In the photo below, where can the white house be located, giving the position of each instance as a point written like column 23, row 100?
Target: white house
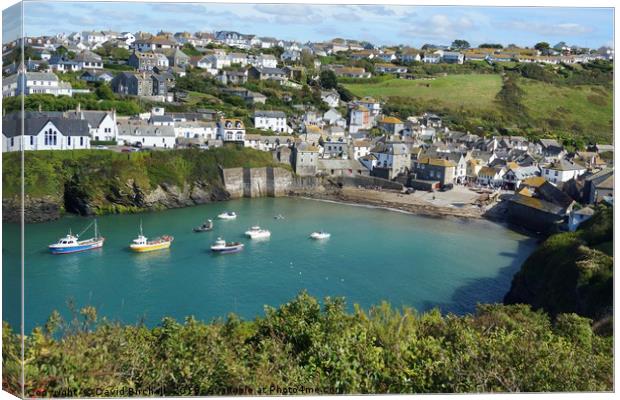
column 101, row 124
column 562, row 171
column 271, row 120
column 138, row 131
column 290, row 55
column 42, row 132
column 231, row 130
column 89, row 60
column 238, row 58
column 491, row 176
column 214, row 62
column 330, row 97
column 333, row 117
column 92, row 37
column 267, row 61
column 361, row 148
column 205, row 130
column 35, row 82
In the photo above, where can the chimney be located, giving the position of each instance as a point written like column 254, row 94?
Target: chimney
column 79, row 107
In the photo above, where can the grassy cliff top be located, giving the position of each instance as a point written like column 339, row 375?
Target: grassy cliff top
column 46, row 172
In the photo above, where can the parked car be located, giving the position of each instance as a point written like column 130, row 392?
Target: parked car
column 446, row 187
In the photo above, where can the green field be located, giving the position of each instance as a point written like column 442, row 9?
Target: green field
column 576, row 110
column 586, row 107
column 452, row 91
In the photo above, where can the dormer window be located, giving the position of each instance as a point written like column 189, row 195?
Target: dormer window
column 238, row 124
column 228, row 124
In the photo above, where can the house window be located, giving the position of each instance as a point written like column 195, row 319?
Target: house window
column 31, row 140
column 81, row 140
column 69, row 140
column 50, row 137
column 13, row 141
column 556, row 173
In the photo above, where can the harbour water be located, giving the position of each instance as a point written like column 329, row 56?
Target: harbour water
column 372, row 255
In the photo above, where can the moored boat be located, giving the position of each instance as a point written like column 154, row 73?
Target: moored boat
column 227, row 215
column 320, row 235
column 72, row 244
column 279, row 216
column 141, row 244
column 205, row 227
column 222, row 247
column 256, row 232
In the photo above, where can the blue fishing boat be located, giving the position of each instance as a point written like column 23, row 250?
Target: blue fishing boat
column 72, row 244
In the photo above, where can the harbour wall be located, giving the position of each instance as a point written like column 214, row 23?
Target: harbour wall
column 265, row 182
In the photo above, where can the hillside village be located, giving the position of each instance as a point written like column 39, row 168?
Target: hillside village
column 210, row 90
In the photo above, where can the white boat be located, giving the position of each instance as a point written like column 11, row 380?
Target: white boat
column 256, row 232
column 220, row 246
column 320, row 235
column 71, row 243
column 227, row 215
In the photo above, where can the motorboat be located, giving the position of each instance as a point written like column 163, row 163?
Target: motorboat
column 205, row 227
column 320, row 235
column 141, row 244
column 72, row 244
column 222, row 247
column 256, row 232
column 227, row 215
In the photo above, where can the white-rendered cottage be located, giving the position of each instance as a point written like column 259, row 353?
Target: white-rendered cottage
column 42, row 132
column 231, row 130
column 271, row 120
column 562, row 171
column 35, row 82
column 138, row 131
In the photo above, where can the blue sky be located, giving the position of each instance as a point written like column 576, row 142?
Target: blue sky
column 411, row 25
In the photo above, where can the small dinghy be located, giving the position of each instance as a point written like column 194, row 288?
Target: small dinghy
column 320, row 235
column 220, row 246
column 227, row 215
column 256, row 232
column 205, row 227
column 279, row 216
column 71, row 243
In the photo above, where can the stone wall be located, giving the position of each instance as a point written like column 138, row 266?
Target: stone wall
column 366, row 181
column 265, row 182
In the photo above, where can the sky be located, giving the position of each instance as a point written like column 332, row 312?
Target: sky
column 378, row 24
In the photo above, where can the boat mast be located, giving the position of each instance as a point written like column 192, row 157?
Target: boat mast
column 141, row 227
column 96, row 235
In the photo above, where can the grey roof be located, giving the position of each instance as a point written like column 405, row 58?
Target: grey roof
column 142, row 129
column 93, row 118
column 526, row 172
column 550, row 143
column 89, row 56
column 35, row 76
column 335, row 163
column 32, row 126
column 162, row 118
column 269, row 114
column 564, row 165
column 266, row 70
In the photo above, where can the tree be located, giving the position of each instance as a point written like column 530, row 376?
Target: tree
column 104, row 92
column 542, row 46
column 460, row 44
column 328, row 79
column 490, row 46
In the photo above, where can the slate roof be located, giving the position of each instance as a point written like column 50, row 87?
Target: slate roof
column 537, row 204
column 269, row 114
column 11, row 127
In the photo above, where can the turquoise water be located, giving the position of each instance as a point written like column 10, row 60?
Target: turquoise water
column 372, row 255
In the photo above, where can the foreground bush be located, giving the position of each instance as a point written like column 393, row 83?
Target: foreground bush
column 305, row 348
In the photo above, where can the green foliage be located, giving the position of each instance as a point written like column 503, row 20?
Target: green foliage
column 48, row 102
column 118, row 67
column 101, row 176
column 328, row 79
column 460, row 44
column 104, row 92
column 190, row 50
column 566, row 274
column 320, row 347
column 542, row 46
column 490, row 46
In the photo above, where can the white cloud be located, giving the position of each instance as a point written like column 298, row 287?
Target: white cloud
column 441, row 27
column 560, row 29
